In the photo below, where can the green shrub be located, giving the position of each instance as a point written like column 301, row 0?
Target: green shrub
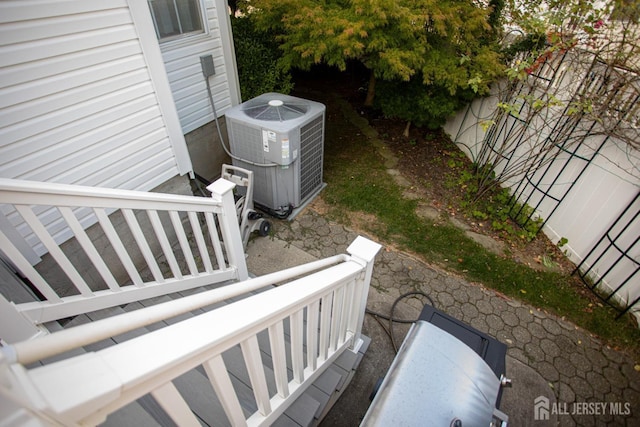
column 505, row 214
column 257, row 57
column 420, row 104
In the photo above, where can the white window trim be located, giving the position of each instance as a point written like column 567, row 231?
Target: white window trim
column 186, row 38
column 226, row 35
column 182, row 41
column 155, row 65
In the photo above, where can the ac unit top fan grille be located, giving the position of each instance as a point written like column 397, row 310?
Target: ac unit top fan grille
column 274, row 110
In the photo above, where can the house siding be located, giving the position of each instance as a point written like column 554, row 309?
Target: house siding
column 182, row 61
column 76, row 97
column 80, row 102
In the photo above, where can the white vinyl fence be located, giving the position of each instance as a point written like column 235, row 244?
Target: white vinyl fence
column 586, row 189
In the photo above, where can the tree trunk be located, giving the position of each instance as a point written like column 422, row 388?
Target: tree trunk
column 233, row 5
column 406, row 129
column 371, row 90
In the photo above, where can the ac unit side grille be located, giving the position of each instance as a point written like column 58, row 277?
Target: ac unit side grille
column 311, row 149
column 248, row 142
column 263, row 190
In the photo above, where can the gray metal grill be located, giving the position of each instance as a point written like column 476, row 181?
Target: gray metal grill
column 436, row 380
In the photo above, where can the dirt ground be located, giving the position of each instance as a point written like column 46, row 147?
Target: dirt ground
column 425, row 159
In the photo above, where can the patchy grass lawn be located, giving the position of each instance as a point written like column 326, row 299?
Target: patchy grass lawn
column 359, row 186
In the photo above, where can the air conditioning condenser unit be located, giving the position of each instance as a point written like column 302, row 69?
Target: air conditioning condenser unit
column 281, row 139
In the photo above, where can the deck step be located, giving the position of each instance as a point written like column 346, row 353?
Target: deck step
column 343, row 386
column 12, row 287
column 319, row 395
column 330, row 379
column 303, row 410
column 131, row 415
column 285, row 422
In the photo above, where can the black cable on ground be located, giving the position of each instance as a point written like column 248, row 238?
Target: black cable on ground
column 199, row 180
column 282, row 213
column 389, row 331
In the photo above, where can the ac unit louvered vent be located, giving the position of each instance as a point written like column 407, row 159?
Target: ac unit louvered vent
column 311, row 154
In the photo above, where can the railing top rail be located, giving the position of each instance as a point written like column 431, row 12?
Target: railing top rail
column 30, row 351
column 14, row 191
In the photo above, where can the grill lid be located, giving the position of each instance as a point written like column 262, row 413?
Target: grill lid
column 274, row 110
column 438, row 378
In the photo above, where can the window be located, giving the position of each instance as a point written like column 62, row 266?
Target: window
column 174, row 18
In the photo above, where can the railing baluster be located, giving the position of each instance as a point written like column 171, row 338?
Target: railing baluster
column 297, row 356
column 356, row 316
column 89, row 248
column 325, row 325
column 138, row 235
column 164, row 243
column 202, row 246
column 221, row 383
column 184, row 242
column 335, row 318
column 255, row 368
column 279, row 358
column 174, row 405
column 118, row 247
column 347, row 306
column 312, row 334
column 215, row 241
column 41, row 232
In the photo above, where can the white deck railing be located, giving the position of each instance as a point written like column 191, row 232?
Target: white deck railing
column 322, row 314
column 208, row 254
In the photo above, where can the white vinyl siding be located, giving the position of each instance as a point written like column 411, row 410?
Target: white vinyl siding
column 80, row 98
column 182, row 62
column 74, row 88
